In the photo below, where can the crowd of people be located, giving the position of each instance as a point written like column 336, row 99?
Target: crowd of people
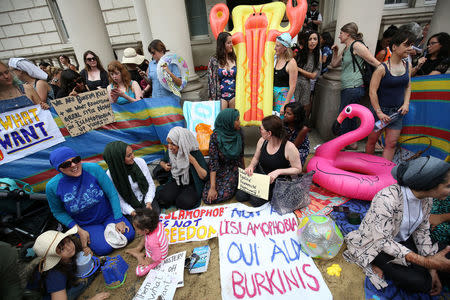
column 86, row 199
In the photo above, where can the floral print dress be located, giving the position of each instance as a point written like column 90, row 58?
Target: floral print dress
column 227, row 173
column 303, row 149
column 227, row 83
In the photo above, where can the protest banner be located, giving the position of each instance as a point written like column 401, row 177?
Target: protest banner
column 261, row 257
column 192, row 225
column 157, row 286
column 174, row 265
column 143, row 125
column 84, row 112
column 256, row 185
column 26, row 131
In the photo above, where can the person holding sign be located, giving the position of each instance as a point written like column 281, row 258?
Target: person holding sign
column 82, row 195
column 274, row 156
column 226, row 155
column 131, row 178
column 14, row 95
column 393, row 241
column 188, row 168
column 122, row 89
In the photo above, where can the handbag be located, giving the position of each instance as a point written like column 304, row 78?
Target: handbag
column 404, row 155
column 291, row 194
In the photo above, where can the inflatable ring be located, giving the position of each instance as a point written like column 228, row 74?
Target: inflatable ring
column 351, row 174
column 172, row 58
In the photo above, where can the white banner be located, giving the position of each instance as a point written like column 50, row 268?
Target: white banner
column 25, row 131
column 199, row 224
column 261, row 257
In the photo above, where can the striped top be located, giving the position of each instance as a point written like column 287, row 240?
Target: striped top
column 157, row 245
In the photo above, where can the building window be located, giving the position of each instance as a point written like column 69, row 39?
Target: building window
column 198, row 24
column 59, row 22
column 429, row 2
column 396, row 3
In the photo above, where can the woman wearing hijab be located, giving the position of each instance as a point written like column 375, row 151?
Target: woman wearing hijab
column 14, row 94
column 226, row 155
column 188, row 171
column 31, row 74
column 393, row 241
column 131, row 178
column 82, row 195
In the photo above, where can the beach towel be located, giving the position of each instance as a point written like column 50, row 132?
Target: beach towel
column 200, row 112
column 322, row 202
column 428, row 115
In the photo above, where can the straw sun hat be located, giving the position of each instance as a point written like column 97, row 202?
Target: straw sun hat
column 45, row 247
column 131, row 57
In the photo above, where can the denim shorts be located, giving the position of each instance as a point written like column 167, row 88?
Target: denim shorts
column 395, row 125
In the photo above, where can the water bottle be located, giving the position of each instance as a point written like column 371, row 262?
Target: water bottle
column 380, row 124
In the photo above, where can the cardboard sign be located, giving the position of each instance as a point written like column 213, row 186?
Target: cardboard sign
column 84, row 112
column 174, row 265
column 261, row 257
column 25, row 131
column 256, row 185
column 157, row 286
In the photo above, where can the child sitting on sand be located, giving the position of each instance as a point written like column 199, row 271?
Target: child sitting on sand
column 146, row 222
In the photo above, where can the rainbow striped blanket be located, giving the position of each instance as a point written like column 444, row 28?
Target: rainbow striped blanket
column 428, row 115
column 143, row 124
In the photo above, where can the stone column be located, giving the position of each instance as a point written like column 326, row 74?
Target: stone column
column 168, row 21
column 87, row 29
column 143, row 23
column 366, row 14
column 440, row 22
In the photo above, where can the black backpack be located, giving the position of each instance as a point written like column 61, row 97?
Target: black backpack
column 366, row 69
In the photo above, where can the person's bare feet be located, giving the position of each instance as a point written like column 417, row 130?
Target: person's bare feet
column 134, row 252
column 377, row 271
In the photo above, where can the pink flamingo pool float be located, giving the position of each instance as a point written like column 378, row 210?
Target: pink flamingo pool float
column 351, row 174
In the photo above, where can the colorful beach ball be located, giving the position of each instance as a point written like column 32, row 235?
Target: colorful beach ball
column 320, row 237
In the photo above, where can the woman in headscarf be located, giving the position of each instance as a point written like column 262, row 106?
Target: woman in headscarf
column 131, row 178
column 82, row 195
column 393, row 241
column 226, row 155
column 31, row 74
column 188, row 169
column 14, row 94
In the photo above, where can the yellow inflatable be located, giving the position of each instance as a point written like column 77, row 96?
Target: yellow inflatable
column 255, row 31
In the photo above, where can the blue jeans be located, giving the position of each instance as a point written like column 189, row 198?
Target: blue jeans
column 75, row 291
column 350, row 96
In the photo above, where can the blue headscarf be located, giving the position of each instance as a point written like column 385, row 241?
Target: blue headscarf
column 60, row 155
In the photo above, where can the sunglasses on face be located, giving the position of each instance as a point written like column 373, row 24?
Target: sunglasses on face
column 79, row 80
column 68, row 164
column 91, row 59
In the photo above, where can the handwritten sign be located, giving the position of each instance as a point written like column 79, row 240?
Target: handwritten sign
column 84, row 112
column 256, row 185
column 174, row 265
column 192, row 225
column 261, row 257
column 26, row 131
column 157, row 285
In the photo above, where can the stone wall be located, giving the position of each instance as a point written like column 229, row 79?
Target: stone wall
column 27, row 27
